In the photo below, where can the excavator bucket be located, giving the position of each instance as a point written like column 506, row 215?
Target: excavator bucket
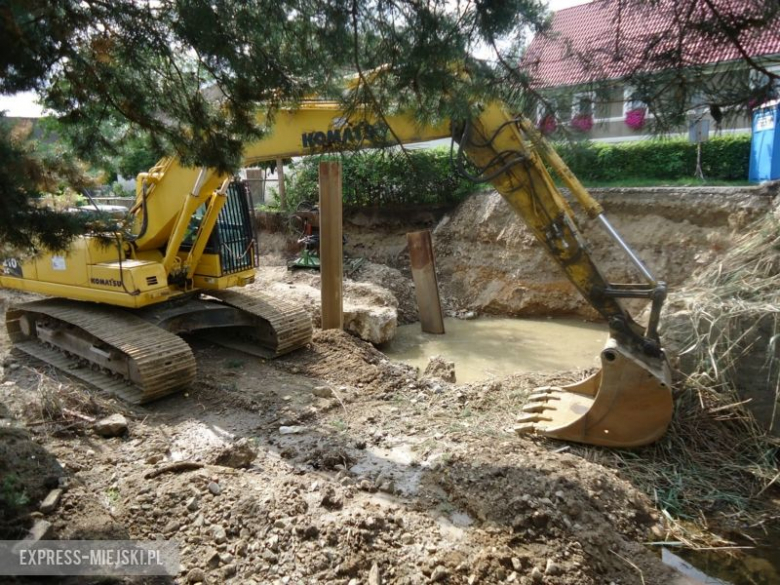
column 628, row 403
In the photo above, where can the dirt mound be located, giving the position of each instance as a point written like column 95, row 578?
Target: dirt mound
column 27, row 473
column 341, row 359
column 370, row 309
column 398, row 283
column 411, row 480
column 562, row 509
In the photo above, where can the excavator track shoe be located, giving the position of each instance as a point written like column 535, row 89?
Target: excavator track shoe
column 106, row 347
column 625, row 404
column 285, row 326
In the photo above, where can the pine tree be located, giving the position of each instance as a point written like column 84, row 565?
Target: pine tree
column 190, row 74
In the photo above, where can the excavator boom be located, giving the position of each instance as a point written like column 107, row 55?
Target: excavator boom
column 170, row 256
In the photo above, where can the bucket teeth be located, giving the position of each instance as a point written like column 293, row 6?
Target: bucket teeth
column 628, row 403
column 535, row 398
column 546, row 393
column 532, row 418
column 525, row 428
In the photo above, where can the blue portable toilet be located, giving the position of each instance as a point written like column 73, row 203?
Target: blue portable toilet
column 765, row 144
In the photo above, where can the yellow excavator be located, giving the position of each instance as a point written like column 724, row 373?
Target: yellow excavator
column 122, row 298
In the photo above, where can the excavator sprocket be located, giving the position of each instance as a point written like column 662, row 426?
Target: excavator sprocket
column 107, row 347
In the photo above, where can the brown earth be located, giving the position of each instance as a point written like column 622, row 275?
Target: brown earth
column 489, row 262
column 363, row 473
column 422, row 478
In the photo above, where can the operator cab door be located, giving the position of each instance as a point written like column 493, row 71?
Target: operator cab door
column 232, row 245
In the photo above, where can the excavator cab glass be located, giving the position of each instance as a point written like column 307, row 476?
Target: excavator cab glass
column 233, row 238
column 192, row 227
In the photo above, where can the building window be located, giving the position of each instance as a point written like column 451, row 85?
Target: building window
column 631, row 100
column 583, row 104
column 553, row 108
column 761, row 81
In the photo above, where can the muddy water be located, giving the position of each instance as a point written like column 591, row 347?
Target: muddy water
column 492, row 347
column 750, row 566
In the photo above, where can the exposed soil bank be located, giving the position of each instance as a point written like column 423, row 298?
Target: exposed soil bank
column 488, row 261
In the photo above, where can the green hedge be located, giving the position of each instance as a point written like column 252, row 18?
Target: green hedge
column 723, row 158
column 384, row 178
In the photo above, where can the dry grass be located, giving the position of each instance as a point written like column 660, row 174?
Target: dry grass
column 715, row 460
column 55, row 406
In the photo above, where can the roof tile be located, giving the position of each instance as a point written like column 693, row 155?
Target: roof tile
column 608, row 39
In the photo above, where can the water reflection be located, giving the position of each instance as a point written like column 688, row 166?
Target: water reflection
column 753, row 566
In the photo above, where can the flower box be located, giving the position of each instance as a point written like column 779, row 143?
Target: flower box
column 635, row 119
column 582, row 122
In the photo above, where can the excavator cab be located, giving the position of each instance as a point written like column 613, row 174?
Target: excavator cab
column 233, row 240
column 234, row 237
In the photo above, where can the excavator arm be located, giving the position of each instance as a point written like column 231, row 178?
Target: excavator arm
column 628, row 402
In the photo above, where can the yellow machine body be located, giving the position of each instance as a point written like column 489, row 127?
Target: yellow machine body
column 166, row 255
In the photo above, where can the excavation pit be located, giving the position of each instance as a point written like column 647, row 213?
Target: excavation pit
column 495, row 347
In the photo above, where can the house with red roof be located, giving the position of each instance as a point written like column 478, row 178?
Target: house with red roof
column 610, row 69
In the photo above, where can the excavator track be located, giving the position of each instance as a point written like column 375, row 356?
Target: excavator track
column 286, row 326
column 125, row 355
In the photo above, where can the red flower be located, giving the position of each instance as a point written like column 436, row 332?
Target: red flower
column 582, row 122
column 635, row 119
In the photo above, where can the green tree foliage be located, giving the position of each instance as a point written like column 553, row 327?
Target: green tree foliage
column 136, row 155
column 191, row 73
column 23, row 175
column 384, row 178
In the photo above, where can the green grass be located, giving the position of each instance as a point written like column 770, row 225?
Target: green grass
column 112, row 494
column 690, row 182
column 12, row 492
column 339, row 425
column 466, row 413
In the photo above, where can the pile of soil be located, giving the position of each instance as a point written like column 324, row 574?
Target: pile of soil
column 361, row 473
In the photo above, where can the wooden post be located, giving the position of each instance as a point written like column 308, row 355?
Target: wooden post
column 331, row 256
column 426, row 287
column 280, row 175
